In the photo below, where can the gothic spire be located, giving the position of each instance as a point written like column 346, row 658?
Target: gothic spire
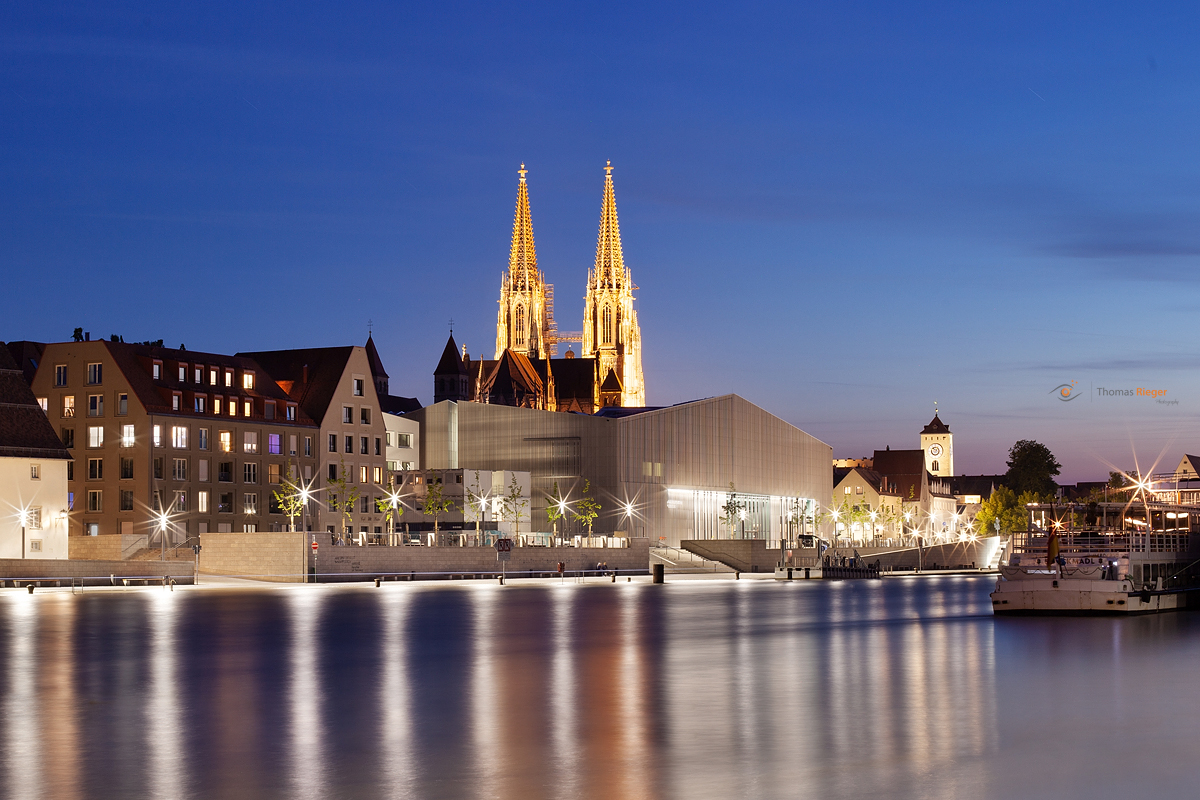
column 522, row 257
column 610, row 266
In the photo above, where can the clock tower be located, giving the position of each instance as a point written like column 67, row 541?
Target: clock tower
column 938, row 443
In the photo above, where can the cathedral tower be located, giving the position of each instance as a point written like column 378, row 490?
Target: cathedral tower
column 610, row 328
column 524, row 324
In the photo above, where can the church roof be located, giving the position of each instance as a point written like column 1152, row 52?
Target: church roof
column 936, row 426
column 522, row 255
column 610, row 264
column 513, row 379
column 377, row 370
column 451, row 363
column 611, row 383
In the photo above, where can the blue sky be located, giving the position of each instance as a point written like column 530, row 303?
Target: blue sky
column 841, row 211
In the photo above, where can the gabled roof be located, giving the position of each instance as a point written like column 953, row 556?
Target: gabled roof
column 975, row 484
column 1189, row 465
column 25, row 431
column 574, row 383
column 324, row 366
column 611, row 383
column 905, row 468
column 27, row 356
column 882, row 484
column 513, row 379
column 451, row 363
column 936, row 426
column 391, row 404
column 377, row 370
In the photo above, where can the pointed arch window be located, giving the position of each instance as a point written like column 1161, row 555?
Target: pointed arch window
column 519, row 337
column 607, row 328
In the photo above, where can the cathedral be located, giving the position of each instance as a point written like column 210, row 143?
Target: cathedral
column 526, row 369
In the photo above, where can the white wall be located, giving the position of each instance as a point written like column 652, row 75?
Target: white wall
column 401, row 455
column 18, row 490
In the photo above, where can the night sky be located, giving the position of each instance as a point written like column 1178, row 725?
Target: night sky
column 840, row 211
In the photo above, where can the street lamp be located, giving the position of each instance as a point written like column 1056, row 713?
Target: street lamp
column 24, row 514
column 163, row 519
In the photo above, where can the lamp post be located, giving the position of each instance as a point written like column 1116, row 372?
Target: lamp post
column 162, row 532
column 24, row 520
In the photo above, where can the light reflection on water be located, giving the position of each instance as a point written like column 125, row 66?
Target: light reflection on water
column 900, row 688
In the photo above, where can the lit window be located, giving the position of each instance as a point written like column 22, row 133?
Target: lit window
column 202, row 470
column 272, row 473
column 229, row 377
column 248, row 380
column 156, row 370
column 200, row 404
column 176, row 401
column 232, row 407
column 217, row 406
column 95, row 436
column 95, row 374
column 202, row 501
column 156, row 436
column 44, row 404
column 212, row 376
column 126, row 436
column 197, row 374
column 247, row 406
column 68, row 405
column 33, row 519
column 250, row 504
column 362, row 474
column 60, row 375
column 179, row 437
column 183, row 373
column 358, row 387
column 377, row 475
column 202, row 438
column 291, row 413
column 274, row 447
column 250, row 441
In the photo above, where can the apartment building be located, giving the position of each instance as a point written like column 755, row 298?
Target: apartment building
column 335, row 387
column 206, row 438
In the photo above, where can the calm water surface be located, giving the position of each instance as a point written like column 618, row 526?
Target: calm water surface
column 900, row 688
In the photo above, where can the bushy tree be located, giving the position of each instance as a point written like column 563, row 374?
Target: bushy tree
column 587, row 508
column 1031, row 468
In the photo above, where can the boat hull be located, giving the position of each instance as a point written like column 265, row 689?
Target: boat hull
column 1067, row 597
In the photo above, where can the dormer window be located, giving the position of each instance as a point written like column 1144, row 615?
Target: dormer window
column 229, row 377
column 183, row 373
column 156, row 370
column 248, row 380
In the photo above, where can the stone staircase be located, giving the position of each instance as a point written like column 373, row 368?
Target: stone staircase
column 679, row 561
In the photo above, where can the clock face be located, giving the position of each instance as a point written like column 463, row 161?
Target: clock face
column 935, row 450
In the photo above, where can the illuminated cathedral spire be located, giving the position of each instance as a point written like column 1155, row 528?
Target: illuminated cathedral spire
column 610, row 328
column 523, row 323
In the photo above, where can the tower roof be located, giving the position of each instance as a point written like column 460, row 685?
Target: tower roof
column 522, row 255
column 377, row 370
column 451, row 363
column 936, row 425
column 610, row 265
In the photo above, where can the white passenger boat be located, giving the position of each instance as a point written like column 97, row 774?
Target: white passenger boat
column 1101, row 559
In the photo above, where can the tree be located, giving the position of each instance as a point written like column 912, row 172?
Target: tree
column 342, row 496
column 290, row 496
column 1031, row 468
column 586, row 508
column 733, row 510
column 1117, row 480
column 385, row 507
column 514, row 504
column 436, row 503
column 554, row 508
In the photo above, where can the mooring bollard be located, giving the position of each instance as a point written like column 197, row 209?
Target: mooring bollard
column 658, row 573
column 30, row 588
column 377, row 582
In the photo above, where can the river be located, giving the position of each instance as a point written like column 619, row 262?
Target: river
column 902, row 688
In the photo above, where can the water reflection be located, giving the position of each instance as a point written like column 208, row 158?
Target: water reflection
column 893, row 689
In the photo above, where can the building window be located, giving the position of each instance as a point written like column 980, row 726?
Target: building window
column 183, row 373
column 127, row 499
column 229, row 377
column 608, row 326
column 291, row 413
column 272, row 474
column 95, row 469
column 126, row 469
column 377, row 475
column 95, row 500
column 308, row 446
column 68, row 405
column 95, row 374
column 156, row 370
column 378, row 446
column 250, row 442
column 292, row 444
column 250, row 472
column 156, row 435
column 364, row 446
column 269, row 409
column 347, row 415
column 349, row 444
column 35, row 472
column 126, row 436
column 388, row 436
column 364, row 504
column 225, row 503
column 358, row 387
column 273, row 444
column 202, row 438
column 202, row 501
column 179, row 469
column 179, row 437
column 212, row 376
column 68, row 437
column 233, row 406
column 200, row 404
column 95, row 405
column 858, row 490
column 362, row 475
column 250, row 503
column 333, row 472
column 364, row 416
column 180, row 501
column 122, row 404
column 60, row 374
column 403, row 440
column 95, row 436
column 247, row 407
column 935, row 466
column 225, row 472
column 158, row 468
column 216, row 406
column 44, row 405
column 520, row 327
column 226, row 439
column 202, row 470
column 197, row 373
column 333, row 442
column 71, row 477
column 248, row 380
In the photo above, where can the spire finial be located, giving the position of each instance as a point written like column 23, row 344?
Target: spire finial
column 935, row 408
column 370, row 326
column 608, row 167
column 452, row 326
column 522, row 171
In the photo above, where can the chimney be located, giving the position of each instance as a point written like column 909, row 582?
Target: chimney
column 87, row 336
column 304, row 379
